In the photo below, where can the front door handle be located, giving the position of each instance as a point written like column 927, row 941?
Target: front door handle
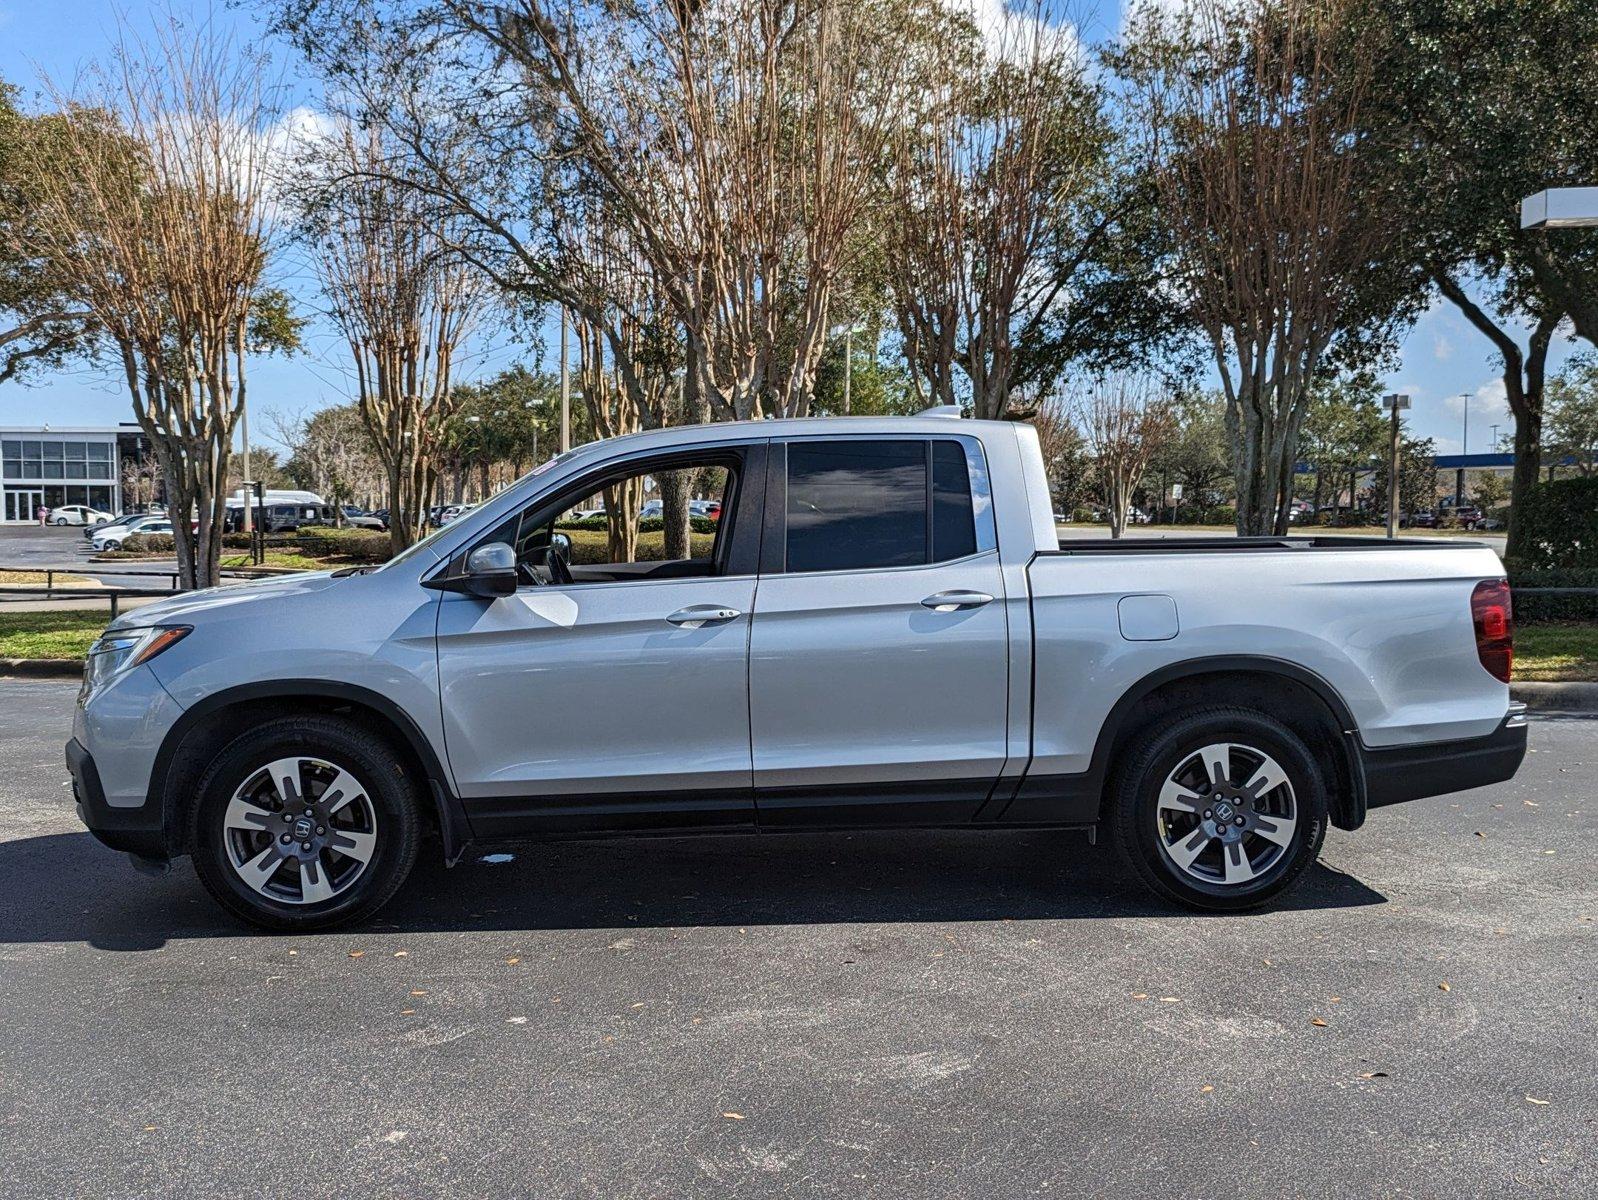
column 697, row 615
column 956, row 600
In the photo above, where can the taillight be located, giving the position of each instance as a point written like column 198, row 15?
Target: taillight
column 1495, row 627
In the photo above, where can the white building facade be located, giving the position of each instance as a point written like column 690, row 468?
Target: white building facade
column 48, row 467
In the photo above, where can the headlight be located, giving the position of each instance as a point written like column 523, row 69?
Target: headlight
column 114, row 653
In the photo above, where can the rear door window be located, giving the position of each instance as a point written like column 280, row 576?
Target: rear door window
column 873, row 503
column 856, row 505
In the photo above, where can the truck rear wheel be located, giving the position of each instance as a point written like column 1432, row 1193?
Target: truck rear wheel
column 1219, row 808
column 304, row 823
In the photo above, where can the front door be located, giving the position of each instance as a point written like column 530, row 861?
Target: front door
column 878, row 669
column 607, row 693
column 22, row 504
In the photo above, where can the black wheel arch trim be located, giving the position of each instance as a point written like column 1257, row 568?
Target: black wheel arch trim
column 453, row 824
column 1083, row 794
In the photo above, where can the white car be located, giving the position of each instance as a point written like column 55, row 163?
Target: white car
column 78, row 514
column 113, row 537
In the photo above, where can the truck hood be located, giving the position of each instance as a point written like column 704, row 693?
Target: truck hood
column 188, row 606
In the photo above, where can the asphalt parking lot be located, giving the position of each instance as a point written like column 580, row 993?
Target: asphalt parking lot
column 982, row 1015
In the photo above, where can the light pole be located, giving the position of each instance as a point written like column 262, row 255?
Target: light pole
column 1397, row 402
column 1494, row 445
column 1560, row 208
column 1464, row 451
column 565, row 390
column 246, row 525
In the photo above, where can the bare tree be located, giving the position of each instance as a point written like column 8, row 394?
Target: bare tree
column 405, row 301
column 330, row 452
column 1250, row 111
column 728, row 146
column 152, row 206
column 1002, row 144
column 1125, row 421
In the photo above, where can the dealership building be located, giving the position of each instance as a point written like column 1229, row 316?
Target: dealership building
column 46, row 466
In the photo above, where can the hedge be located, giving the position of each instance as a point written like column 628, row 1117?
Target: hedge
column 1558, row 524
column 359, row 545
column 1532, row 609
column 590, row 546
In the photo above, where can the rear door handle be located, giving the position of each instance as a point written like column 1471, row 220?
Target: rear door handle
column 696, row 615
column 956, row 600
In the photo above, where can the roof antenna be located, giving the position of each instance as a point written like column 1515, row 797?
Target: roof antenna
column 951, row 411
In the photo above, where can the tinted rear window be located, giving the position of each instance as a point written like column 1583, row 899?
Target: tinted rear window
column 856, row 505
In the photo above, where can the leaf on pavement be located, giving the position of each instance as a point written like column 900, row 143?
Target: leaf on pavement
column 357, row 953
column 1534, row 1100
column 1443, row 986
column 733, row 1116
column 1317, row 1021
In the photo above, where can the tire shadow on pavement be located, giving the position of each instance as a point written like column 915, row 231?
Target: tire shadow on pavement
column 68, row 888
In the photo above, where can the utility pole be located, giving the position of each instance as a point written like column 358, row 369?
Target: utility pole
column 565, row 389
column 1397, row 402
column 247, row 525
column 1464, row 452
column 848, row 365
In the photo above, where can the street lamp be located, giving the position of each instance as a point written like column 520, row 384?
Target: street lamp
column 1560, row 208
column 1396, row 401
column 1464, row 451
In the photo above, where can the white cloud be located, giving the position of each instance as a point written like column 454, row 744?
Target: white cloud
column 1442, row 347
column 1008, row 32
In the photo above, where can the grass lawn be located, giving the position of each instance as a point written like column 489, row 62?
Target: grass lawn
column 49, row 634
column 39, row 579
column 1562, row 652
column 288, row 558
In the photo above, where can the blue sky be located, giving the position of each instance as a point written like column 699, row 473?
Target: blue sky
column 1444, row 360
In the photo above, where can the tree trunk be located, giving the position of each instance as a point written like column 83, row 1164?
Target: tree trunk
column 674, row 489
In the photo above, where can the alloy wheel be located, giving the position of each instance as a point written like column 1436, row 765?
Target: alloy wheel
column 1226, row 814
column 300, row 830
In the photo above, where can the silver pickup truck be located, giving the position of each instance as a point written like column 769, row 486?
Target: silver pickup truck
column 882, row 630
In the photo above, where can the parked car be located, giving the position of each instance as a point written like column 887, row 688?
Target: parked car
column 279, row 517
column 1468, row 515
column 1300, row 512
column 111, row 537
column 886, row 633
column 710, row 509
column 358, row 518
column 1424, row 519
column 78, row 514
column 114, row 523
column 381, row 516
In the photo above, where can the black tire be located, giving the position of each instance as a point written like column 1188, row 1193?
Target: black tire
column 1173, row 744
column 391, row 802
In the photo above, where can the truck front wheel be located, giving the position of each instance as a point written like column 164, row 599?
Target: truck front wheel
column 1219, row 808
column 305, row 822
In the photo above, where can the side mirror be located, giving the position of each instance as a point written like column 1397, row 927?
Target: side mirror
column 491, row 570
column 563, row 543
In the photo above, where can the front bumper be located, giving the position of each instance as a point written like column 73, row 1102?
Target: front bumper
column 138, row 831
column 1402, row 773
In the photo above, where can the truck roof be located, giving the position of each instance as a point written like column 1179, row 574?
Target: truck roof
column 735, row 431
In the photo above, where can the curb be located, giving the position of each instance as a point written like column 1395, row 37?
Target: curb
column 43, row 668
column 1557, row 697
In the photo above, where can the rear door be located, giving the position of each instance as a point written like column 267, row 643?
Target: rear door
column 878, row 662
